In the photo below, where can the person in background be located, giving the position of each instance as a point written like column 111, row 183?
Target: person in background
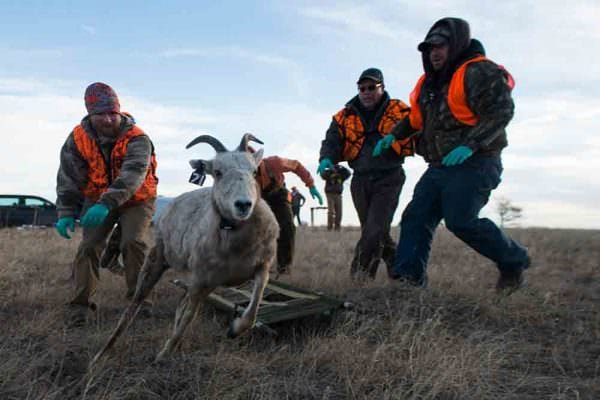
column 298, row 201
column 272, row 183
column 376, row 182
column 460, row 108
column 107, row 175
column 334, row 186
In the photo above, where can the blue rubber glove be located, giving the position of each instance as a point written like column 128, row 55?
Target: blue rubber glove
column 65, row 224
column 457, row 156
column 94, row 216
column 315, row 193
column 323, row 165
column 382, row 144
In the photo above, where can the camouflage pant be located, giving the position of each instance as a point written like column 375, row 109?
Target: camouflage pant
column 134, row 223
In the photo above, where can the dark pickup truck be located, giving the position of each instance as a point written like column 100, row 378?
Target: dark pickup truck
column 19, row 209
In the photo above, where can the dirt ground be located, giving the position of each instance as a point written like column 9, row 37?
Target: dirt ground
column 456, row 340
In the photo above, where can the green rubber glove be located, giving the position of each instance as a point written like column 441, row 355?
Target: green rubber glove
column 315, row 193
column 382, row 144
column 94, row 216
column 65, row 224
column 323, row 165
column 457, row 156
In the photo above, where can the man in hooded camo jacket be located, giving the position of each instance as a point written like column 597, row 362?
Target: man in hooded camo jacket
column 107, row 174
column 459, row 110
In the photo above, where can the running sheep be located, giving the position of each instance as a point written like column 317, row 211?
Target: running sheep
column 223, row 235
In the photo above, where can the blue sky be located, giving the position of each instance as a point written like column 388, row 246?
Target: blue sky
column 281, row 69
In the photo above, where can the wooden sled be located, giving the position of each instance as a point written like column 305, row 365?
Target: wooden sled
column 281, row 302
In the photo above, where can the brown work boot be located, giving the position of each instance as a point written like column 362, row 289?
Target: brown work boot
column 77, row 315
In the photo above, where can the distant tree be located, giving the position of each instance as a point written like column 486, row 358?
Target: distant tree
column 509, row 213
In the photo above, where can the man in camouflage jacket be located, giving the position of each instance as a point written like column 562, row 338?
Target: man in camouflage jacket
column 459, row 111
column 107, row 174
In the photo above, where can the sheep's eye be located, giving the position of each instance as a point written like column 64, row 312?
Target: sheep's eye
column 217, row 173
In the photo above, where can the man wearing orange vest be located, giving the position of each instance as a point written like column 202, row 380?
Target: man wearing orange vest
column 459, row 110
column 107, row 174
column 376, row 182
column 271, row 180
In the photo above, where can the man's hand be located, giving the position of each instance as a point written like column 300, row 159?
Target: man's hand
column 323, row 165
column 65, row 224
column 94, row 216
column 457, row 156
column 315, row 193
column 383, row 144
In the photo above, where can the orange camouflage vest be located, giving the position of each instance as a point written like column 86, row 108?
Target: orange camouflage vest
column 352, row 130
column 457, row 98
column 98, row 178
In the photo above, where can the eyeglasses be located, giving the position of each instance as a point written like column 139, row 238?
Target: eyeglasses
column 369, row 88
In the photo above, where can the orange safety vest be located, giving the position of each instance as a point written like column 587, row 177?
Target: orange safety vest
column 457, row 98
column 98, row 179
column 352, row 130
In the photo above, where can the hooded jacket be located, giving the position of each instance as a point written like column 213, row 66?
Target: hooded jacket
column 74, row 171
column 487, row 94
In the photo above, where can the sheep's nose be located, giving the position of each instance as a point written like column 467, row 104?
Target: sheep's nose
column 243, row 205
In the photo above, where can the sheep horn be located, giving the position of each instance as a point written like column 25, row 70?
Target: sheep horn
column 247, row 138
column 214, row 142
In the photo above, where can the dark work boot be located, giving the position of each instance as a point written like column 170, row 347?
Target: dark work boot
column 511, row 280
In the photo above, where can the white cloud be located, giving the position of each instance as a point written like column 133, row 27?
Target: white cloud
column 554, row 146
column 358, row 19
column 284, row 64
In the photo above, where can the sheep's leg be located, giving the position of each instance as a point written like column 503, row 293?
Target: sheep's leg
column 153, row 268
column 248, row 317
column 186, row 311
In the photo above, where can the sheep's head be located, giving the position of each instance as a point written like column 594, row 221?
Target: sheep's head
column 235, row 192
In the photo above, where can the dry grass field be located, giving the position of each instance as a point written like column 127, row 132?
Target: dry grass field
column 455, row 340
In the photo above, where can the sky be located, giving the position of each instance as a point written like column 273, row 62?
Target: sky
column 281, row 69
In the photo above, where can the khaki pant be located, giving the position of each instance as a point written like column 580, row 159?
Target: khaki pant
column 134, row 222
column 334, row 211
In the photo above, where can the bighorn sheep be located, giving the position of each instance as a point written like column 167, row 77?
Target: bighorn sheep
column 224, row 235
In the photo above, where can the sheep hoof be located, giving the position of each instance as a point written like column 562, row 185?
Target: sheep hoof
column 160, row 358
column 181, row 283
column 231, row 332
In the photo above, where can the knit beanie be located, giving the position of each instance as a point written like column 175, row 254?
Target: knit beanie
column 101, row 98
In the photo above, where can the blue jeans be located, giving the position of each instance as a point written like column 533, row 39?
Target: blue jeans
column 456, row 194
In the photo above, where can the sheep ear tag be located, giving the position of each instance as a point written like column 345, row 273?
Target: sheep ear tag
column 199, row 175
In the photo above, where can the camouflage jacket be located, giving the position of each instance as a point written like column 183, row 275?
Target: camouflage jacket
column 488, row 97
column 73, row 171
